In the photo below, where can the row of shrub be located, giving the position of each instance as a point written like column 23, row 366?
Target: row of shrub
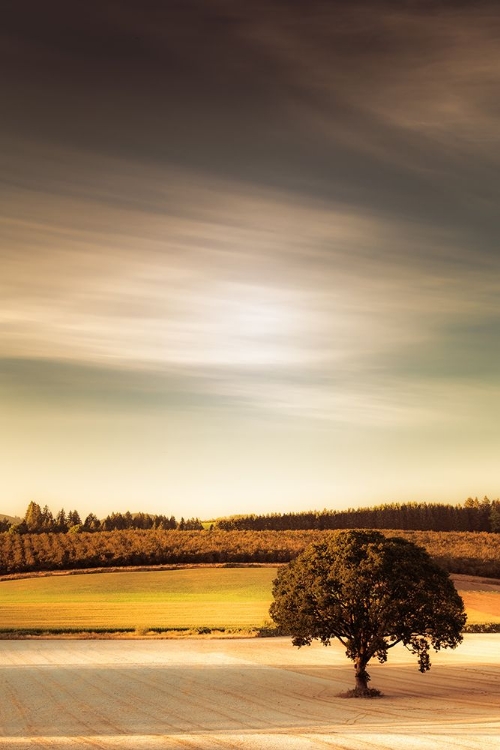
column 472, row 553
column 266, row 631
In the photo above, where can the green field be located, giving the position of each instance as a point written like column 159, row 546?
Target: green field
column 181, row 598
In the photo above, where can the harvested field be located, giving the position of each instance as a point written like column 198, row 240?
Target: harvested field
column 481, row 598
column 258, row 693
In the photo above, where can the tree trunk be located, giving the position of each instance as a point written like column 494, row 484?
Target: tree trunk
column 362, row 677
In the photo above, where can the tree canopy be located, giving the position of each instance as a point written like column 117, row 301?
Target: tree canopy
column 370, row 592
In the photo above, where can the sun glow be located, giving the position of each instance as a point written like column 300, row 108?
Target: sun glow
column 256, row 328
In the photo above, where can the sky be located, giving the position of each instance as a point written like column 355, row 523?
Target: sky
column 249, row 254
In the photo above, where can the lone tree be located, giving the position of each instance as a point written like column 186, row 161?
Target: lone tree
column 371, row 593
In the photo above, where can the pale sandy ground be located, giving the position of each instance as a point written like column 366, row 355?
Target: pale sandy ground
column 246, row 693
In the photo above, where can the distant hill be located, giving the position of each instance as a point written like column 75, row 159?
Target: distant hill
column 11, row 519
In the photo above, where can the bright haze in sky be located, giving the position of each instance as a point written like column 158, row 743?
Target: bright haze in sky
column 249, row 254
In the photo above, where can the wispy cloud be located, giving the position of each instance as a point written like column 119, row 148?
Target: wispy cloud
column 249, row 297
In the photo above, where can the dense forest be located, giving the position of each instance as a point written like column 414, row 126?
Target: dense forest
column 473, row 515
column 473, row 553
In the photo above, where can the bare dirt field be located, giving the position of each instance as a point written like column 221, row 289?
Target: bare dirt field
column 243, row 693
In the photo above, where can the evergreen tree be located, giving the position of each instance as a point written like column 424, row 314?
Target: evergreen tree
column 33, row 518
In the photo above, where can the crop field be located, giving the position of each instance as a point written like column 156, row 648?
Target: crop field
column 209, row 597
column 242, row 694
column 182, row 598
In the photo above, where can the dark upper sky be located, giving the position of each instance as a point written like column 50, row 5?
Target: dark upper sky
column 390, row 105
column 252, row 209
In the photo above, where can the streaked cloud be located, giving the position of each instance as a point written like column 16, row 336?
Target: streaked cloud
column 259, row 210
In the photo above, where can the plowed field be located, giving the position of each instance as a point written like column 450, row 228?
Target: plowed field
column 255, row 693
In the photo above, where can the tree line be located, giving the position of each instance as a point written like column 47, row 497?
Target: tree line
column 39, row 520
column 471, row 553
column 473, row 515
